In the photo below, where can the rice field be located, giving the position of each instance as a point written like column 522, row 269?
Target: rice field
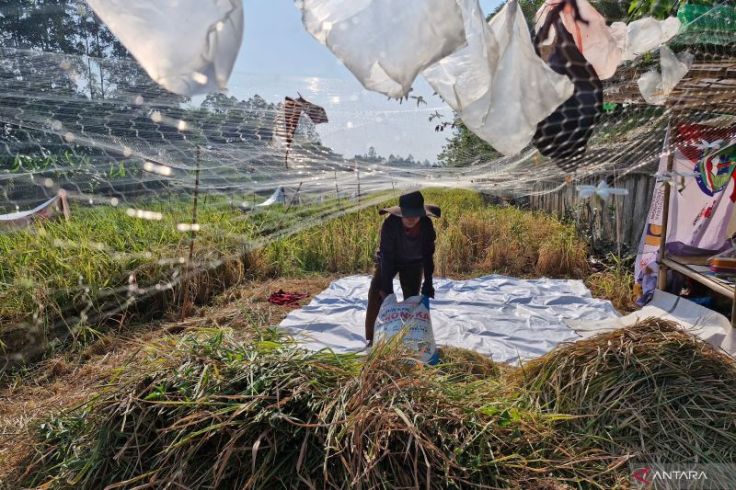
column 70, row 281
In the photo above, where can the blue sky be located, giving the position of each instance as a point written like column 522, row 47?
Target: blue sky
column 279, row 58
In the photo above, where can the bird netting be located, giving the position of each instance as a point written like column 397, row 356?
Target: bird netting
column 148, row 173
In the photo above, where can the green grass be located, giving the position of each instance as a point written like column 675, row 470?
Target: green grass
column 56, row 266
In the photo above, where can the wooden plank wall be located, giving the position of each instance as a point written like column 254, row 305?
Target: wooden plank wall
column 621, row 218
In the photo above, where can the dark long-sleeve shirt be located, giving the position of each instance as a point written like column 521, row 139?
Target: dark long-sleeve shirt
column 397, row 250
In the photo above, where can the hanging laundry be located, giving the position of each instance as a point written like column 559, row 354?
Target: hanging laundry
column 703, row 212
column 497, row 84
column 656, row 87
column 606, row 47
column 564, row 135
column 186, row 46
column 386, row 43
column 592, row 36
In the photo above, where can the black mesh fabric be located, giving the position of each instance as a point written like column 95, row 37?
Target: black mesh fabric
column 564, row 135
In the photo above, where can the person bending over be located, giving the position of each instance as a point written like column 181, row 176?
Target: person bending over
column 407, row 243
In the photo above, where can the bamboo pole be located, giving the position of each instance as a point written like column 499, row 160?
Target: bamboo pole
column 662, row 274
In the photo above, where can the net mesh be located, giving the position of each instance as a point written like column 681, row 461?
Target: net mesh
column 145, row 172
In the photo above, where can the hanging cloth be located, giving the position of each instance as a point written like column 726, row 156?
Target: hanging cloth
column 386, row 43
column 497, row 84
column 603, row 46
column 564, row 135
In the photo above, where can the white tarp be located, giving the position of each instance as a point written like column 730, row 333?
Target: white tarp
column 283, row 195
column 497, row 84
column 502, row 317
column 708, row 325
column 386, row 43
column 186, row 46
column 278, row 197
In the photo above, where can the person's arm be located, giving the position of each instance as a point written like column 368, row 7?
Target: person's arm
column 388, row 257
column 428, row 259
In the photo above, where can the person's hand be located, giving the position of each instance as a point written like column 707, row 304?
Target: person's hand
column 428, row 290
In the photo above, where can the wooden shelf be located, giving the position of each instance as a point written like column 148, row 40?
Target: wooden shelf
column 711, row 282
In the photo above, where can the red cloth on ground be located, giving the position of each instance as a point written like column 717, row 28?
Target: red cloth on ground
column 286, row 299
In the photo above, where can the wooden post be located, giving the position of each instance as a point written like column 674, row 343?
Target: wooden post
column 337, row 189
column 662, row 274
column 618, row 226
column 357, row 177
column 192, row 237
column 733, row 310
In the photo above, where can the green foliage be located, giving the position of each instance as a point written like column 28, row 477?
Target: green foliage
column 48, row 265
column 464, row 148
column 659, row 9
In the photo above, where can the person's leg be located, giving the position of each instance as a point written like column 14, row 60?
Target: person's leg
column 374, row 304
column 411, row 280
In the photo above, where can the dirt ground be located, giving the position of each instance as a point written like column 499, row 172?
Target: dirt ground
column 68, row 379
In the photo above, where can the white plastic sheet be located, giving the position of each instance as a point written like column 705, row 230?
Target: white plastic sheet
column 607, row 47
column 656, row 87
column 502, row 317
column 278, row 197
column 497, row 83
column 708, row 325
column 644, row 35
column 20, row 219
column 186, row 46
column 386, row 43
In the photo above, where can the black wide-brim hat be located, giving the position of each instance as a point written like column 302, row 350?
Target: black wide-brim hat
column 412, row 205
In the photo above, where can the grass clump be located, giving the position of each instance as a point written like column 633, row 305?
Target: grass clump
column 615, row 283
column 650, row 389
column 213, row 413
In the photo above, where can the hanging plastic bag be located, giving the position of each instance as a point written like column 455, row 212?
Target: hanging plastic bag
column 656, row 87
column 386, row 43
column 184, row 53
column 497, row 84
column 410, row 318
column 564, row 135
column 644, row 35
